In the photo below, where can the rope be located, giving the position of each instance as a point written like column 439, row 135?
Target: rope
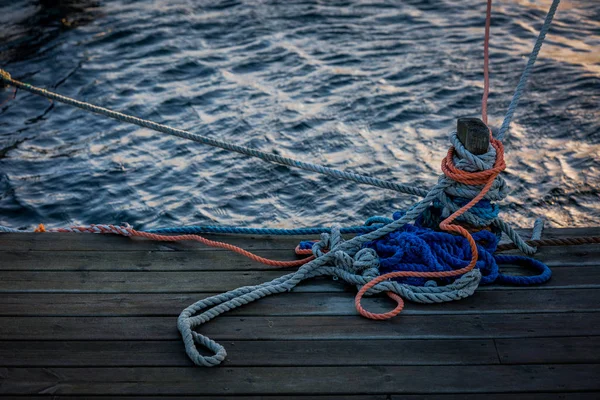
column 263, row 231
column 527, row 71
column 7, row 229
column 486, row 62
column 290, row 162
column 465, row 191
column 486, row 178
column 128, row 231
column 538, row 228
column 417, row 248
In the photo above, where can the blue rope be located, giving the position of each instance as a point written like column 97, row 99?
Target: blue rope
column 263, row 231
column 419, row 249
column 372, row 224
column 484, row 210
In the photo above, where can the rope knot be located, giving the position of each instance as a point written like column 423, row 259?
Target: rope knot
column 365, row 262
column 465, row 176
column 329, row 241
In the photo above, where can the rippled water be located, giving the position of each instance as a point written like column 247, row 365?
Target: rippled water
column 372, row 87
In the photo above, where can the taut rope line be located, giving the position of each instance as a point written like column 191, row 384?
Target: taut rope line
column 274, row 158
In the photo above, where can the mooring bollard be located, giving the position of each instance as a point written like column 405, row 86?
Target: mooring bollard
column 474, row 134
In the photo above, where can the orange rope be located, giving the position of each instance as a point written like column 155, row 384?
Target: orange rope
column 227, row 246
column 128, row 231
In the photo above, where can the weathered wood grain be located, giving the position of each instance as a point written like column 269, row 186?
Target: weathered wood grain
column 170, row 353
column 584, row 349
column 84, row 242
column 220, row 397
column 296, row 303
column 96, row 315
column 306, row 328
column 453, row 396
column 216, row 281
column 217, row 260
column 305, row 380
column 250, row 353
column 209, row 260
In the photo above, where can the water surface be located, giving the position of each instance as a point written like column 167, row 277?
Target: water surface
column 372, row 87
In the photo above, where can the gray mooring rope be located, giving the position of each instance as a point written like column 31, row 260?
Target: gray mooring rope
column 274, row 158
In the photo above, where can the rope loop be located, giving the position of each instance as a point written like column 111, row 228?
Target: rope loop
column 193, row 339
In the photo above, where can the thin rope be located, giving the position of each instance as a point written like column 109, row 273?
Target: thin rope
column 486, row 62
column 263, row 231
column 527, row 71
column 128, row 231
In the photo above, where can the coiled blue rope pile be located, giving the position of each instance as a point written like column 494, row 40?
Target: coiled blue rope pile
column 413, row 247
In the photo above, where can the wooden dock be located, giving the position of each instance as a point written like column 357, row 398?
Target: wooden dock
column 95, row 315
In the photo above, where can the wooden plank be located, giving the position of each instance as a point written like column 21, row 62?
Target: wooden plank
column 297, row 397
column 216, row 260
column 567, row 256
column 89, row 242
column 212, row 281
column 210, row 260
column 250, row 353
column 103, row 281
column 453, row 396
column 301, row 380
column 584, row 349
column 295, row 303
column 101, row 242
column 478, row 326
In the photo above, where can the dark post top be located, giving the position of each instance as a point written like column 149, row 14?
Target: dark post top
column 473, row 134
